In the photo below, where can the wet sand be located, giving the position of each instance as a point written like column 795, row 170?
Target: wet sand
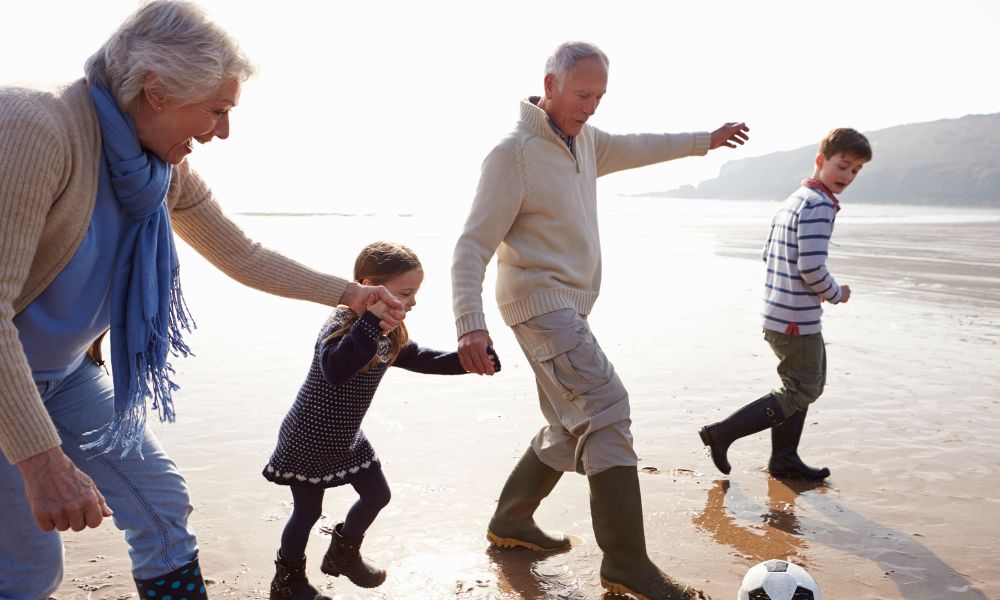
column 907, row 425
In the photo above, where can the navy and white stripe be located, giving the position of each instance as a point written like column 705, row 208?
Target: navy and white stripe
column 795, row 253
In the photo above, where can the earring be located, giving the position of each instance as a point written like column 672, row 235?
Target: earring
column 159, row 108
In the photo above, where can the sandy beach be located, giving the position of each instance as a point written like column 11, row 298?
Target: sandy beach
column 907, row 424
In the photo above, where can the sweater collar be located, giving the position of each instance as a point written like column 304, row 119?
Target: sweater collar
column 540, row 123
column 820, row 187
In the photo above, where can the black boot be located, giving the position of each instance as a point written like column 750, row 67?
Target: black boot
column 290, row 582
column 785, row 461
column 513, row 524
column 185, row 581
column 616, row 510
column 756, row 416
column 344, row 558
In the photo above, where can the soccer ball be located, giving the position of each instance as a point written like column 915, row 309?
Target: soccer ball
column 778, row 580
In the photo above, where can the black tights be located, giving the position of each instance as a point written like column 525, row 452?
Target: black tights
column 373, row 496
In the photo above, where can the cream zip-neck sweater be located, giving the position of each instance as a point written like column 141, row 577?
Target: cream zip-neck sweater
column 536, row 208
column 50, row 145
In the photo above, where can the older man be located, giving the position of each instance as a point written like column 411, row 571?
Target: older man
column 536, row 208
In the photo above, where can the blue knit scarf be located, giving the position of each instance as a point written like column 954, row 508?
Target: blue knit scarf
column 147, row 308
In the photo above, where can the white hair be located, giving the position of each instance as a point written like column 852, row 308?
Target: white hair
column 189, row 55
column 563, row 61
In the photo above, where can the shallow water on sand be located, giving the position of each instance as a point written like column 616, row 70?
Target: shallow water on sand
column 907, row 423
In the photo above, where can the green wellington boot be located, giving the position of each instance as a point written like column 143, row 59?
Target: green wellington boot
column 752, row 418
column 616, row 510
column 513, row 523
column 785, row 461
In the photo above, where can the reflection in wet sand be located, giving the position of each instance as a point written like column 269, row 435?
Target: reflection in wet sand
column 537, row 575
column 778, row 532
column 775, row 534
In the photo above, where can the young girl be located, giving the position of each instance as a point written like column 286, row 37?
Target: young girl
column 321, row 444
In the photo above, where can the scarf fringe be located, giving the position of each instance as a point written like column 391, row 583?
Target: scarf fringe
column 120, row 432
column 126, row 428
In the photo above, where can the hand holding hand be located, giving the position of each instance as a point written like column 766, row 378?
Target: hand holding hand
column 472, row 352
column 361, row 297
column 60, row 495
column 494, row 358
column 729, row 135
column 376, row 306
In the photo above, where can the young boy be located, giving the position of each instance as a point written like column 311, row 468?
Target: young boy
column 796, row 285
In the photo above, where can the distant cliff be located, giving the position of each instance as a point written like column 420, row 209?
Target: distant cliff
column 949, row 162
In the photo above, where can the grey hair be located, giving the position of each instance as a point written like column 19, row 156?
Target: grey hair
column 189, row 55
column 563, row 61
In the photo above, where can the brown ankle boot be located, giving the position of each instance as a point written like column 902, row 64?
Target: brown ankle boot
column 344, row 558
column 290, row 582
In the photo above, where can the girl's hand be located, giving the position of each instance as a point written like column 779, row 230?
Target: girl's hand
column 494, row 358
column 376, row 307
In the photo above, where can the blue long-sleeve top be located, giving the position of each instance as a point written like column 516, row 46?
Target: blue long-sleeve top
column 321, row 442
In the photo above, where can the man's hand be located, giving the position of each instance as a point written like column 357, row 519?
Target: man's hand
column 472, row 352
column 729, row 135
column 845, row 293
column 60, row 495
column 359, row 297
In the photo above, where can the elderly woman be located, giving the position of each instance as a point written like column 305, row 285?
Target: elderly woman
column 93, row 182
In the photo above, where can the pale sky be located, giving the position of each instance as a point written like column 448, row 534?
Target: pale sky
column 366, row 106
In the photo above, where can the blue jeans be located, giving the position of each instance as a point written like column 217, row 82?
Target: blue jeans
column 148, row 496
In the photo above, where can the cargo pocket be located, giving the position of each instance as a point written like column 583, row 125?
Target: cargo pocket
column 809, row 385
column 573, row 361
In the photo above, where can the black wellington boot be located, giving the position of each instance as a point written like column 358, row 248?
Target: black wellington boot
column 785, row 461
column 754, row 417
column 513, row 523
column 185, row 581
column 616, row 511
column 344, row 558
column 290, row 582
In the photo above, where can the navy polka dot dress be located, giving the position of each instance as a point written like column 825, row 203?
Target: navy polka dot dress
column 321, row 442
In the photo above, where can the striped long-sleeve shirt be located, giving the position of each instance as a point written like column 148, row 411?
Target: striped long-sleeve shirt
column 795, row 253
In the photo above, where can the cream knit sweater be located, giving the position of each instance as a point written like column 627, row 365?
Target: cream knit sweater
column 50, row 145
column 536, row 208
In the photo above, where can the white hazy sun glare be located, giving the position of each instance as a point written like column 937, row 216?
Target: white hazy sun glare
column 365, row 106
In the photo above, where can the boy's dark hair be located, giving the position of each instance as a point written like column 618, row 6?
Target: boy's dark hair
column 848, row 142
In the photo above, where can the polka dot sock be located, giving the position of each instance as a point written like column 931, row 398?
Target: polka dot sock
column 184, row 583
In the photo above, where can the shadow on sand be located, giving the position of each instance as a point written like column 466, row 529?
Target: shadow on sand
column 915, row 570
